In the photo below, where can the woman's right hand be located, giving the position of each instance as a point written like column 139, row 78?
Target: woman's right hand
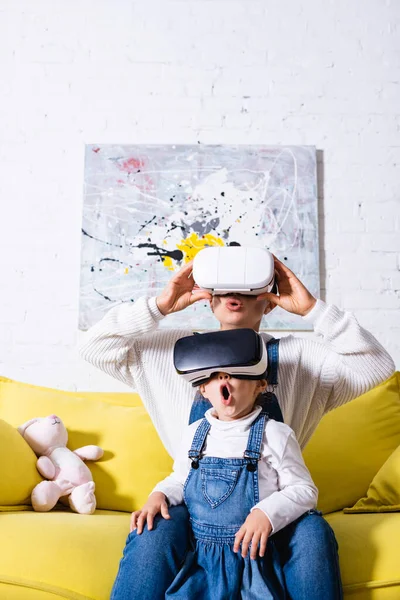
column 156, row 503
column 178, row 294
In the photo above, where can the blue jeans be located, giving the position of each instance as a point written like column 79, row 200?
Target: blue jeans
column 307, row 548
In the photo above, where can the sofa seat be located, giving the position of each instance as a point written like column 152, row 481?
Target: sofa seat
column 46, row 556
column 50, row 556
column 369, row 554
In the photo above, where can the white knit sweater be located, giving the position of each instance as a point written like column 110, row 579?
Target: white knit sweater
column 313, row 376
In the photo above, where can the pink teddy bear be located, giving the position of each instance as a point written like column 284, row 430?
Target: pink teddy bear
column 68, row 474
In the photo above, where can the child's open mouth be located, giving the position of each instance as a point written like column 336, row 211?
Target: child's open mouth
column 226, row 395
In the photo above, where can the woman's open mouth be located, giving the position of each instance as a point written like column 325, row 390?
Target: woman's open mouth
column 233, row 303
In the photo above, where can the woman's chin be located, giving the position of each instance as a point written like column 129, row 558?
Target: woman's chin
column 233, row 318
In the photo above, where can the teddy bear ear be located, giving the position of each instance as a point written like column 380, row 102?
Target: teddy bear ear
column 24, row 427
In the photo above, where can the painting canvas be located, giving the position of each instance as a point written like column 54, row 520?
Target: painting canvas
column 148, row 209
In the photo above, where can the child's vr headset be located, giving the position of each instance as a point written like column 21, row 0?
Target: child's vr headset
column 239, row 352
column 230, row 269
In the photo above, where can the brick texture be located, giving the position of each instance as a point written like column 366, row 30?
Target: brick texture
column 183, row 71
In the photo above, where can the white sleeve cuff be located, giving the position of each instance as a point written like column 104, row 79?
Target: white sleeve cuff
column 154, row 310
column 316, row 312
column 279, row 515
column 265, row 513
column 174, row 493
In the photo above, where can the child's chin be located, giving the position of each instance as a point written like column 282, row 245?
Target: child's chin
column 228, row 412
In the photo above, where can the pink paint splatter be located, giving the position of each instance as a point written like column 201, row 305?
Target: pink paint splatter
column 134, row 165
column 131, row 164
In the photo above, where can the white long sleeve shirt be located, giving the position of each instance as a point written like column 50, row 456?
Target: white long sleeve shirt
column 286, row 490
column 314, row 376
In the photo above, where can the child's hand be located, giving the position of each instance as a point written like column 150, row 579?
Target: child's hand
column 156, row 503
column 255, row 529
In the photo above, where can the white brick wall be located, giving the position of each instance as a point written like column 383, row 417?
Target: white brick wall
column 218, row 71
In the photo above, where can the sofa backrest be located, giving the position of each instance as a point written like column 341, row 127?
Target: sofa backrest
column 352, row 442
column 347, row 449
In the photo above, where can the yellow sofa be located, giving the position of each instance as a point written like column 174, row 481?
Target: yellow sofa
column 47, row 556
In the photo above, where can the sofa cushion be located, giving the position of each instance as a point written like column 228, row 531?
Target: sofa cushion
column 352, row 443
column 368, row 554
column 134, row 457
column 78, row 555
column 61, row 554
column 18, row 473
column 384, row 492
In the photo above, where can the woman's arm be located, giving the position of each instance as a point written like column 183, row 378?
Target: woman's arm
column 112, row 345
column 349, row 360
column 353, row 360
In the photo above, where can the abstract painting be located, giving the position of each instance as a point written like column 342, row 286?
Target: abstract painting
column 148, row 209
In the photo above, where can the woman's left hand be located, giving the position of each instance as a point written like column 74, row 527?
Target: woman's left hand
column 293, row 295
column 255, row 531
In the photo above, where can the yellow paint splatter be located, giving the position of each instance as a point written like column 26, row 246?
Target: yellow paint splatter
column 126, row 270
column 190, row 246
column 193, row 244
column 168, row 264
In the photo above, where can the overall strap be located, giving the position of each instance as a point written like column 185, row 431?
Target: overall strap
column 273, row 361
column 198, row 442
column 253, row 451
column 269, row 401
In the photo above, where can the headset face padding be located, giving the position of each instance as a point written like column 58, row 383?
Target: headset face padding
column 239, row 352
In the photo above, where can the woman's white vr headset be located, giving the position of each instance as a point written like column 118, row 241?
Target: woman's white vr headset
column 239, row 352
column 230, row 269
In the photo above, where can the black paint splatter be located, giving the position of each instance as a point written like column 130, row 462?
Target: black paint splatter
column 175, row 226
column 115, row 260
column 99, row 240
column 147, row 223
column 103, row 295
column 174, row 254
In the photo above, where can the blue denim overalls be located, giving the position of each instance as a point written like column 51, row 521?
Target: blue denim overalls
column 219, row 494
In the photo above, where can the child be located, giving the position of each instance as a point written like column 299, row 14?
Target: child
column 243, row 478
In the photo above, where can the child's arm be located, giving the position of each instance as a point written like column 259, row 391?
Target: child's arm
column 169, row 491
column 156, row 504
column 172, row 486
column 297, row 492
